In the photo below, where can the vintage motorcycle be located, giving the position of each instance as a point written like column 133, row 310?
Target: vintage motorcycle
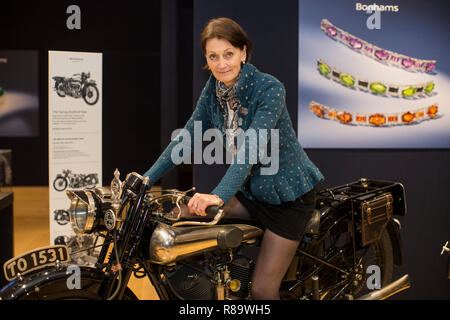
column 79, row 85
column 212, row 258
column 69, row 179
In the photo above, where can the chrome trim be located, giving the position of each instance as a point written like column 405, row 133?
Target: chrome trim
column 116, row 187
column 399, row 225
column 104, row 193
column 134, row 174
column 445, row 248
column 169, row 244
column 90, row 212
column 404, row 197
column 216, row 219
column 391, row 289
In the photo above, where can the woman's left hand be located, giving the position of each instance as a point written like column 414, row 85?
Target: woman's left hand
column 200, row 201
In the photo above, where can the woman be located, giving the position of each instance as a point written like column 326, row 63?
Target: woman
column 236, row 98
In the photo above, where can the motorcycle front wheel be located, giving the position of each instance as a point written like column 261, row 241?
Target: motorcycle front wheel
column 90, row 94
column 50, row 284
column 60, row 184
column 81, row 295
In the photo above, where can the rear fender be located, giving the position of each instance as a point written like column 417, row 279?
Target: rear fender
column 393, row 229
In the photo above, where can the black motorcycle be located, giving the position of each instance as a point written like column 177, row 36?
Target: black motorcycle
column 213, row 258
column 69, row 179
column 79, row 85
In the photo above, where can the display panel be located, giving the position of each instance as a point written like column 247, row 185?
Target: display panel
column 75, row 140
column 370, row 76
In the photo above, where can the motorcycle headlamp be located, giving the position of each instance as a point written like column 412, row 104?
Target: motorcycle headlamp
column 82, row 211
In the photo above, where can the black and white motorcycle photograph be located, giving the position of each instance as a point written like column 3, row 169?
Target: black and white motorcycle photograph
column 61, row 217
column 74, row 181
column 81, row 248
column 77, row 86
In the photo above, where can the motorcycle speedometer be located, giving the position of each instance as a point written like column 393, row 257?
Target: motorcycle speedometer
column 82, row 211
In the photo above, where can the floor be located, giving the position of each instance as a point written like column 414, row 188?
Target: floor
column 31, row 230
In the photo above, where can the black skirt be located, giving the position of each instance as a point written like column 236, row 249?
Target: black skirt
column 287, row 219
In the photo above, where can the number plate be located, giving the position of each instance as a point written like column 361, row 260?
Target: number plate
column 35, row 259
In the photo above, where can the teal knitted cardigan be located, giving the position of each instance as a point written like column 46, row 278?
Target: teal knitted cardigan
column 264, row 98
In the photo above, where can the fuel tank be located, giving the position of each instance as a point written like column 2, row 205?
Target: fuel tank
column 170, row 244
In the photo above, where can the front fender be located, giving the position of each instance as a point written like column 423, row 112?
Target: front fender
column 90, row 83
column 49, row 283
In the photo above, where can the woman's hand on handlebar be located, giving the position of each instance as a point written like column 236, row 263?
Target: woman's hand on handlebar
column 200, row 201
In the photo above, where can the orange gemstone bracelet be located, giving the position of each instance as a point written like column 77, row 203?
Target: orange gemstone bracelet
column 374, row 119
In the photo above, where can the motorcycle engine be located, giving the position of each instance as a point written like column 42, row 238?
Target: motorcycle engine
column 75, row 89
column 190, row 283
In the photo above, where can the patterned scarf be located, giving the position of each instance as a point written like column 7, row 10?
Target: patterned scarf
column 224, row 95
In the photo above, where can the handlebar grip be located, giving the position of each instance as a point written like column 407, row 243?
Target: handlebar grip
column 212, row 210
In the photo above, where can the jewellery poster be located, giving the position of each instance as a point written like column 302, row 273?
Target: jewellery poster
column 373, row 75
column 19, row 99
column 75, row 140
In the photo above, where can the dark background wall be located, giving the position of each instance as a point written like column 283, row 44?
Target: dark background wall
column 152, row 77
column 273, row 28
column 129, row 35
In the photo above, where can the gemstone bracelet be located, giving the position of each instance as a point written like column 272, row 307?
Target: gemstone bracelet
column 376, row 53
column 376, row 87
column 374, row 119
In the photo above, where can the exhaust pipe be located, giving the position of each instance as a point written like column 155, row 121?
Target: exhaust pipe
column 391, row 289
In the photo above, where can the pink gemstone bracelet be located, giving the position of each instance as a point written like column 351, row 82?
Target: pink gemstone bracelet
column 377, row 53
column 408, row 91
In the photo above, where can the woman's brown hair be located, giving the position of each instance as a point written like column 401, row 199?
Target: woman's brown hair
column 225, row 28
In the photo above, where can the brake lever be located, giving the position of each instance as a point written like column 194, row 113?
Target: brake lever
column 216, row 219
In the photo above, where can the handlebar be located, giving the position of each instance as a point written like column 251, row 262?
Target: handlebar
column 212, row 210
column 215, row 210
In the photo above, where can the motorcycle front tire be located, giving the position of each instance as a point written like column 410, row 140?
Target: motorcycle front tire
column 60, row 184
column 88, row 99
column 60, row 90
column 51, row 284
